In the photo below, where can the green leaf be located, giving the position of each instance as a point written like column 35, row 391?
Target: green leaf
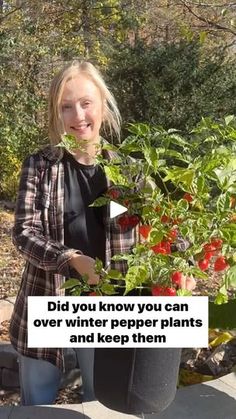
column 176, row 154
column 223, row 291
column 110, row 147
column 155, row 236
column 221, row 298
column 182, row 205
column 98, row 265
column 229, row 119
column 230, row 277
column 182, row 176
column 108, row 289
column 200, row 184
column 177, row 139
column 198, row 273
column 71, row 283
column 127, row 148
column 184, row 231
column 114, row 175
column 118, row 258
column 183, row 293
column 223, row 202
column 135, row 276
column 229, row 233
column 68, row 142
column 100, row 202
column 151, row 156
column 76, row 292
column 226, row 174
column 139, row 129
column 172, row 131
column 114, row 274
column 84, row 279
column 222, row 316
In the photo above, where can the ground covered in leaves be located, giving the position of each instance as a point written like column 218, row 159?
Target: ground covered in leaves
column 197, row 365
column 11, row 264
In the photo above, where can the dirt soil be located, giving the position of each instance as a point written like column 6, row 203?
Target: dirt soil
column 11, row 264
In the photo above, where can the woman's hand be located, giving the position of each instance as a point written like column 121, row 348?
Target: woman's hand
column 187, row 283
column 85, row 265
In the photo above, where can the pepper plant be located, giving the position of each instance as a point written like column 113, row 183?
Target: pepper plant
column 180, row 193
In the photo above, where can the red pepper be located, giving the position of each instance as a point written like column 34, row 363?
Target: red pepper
column 127, row 203
column 170, row 291
column 208, row 255
column 188, row 197
column 165, row 219
column 217, row 243
column 133, row 220
column 113, row 193
column 144, row 230
column 158, row 290
column 209, row 247
column 220, row 264
column 172, row 235
column 203, row 264
column 123, row 221
column 128, row 221
column 176, row 277
column 162, row 247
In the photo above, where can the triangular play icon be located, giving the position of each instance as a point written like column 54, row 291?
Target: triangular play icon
column 116, row 209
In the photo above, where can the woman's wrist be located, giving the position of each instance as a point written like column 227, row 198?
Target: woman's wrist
column 73, row 261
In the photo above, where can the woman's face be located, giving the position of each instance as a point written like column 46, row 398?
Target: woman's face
column 82, row 109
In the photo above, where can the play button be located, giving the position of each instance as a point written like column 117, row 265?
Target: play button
column 116, row 209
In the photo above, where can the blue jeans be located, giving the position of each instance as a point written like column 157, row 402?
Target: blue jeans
column 40, row 380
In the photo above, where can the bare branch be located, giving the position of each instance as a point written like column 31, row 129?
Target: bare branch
column 208, row 21
column 4, row 16
column 211, row 4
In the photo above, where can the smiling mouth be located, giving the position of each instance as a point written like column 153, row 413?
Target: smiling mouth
column 81, row 127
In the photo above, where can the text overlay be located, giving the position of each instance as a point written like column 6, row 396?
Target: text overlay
column 110, row 322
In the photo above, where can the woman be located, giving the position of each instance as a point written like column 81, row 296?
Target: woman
column 55, row 230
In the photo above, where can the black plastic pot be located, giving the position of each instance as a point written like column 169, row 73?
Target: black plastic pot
column 136, row 381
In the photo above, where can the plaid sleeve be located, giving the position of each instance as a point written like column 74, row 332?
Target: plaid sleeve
column 29, row 235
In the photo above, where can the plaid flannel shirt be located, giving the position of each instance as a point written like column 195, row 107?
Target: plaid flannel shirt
column 38, row 234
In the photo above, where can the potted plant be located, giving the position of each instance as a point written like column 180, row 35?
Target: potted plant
column 180, row 194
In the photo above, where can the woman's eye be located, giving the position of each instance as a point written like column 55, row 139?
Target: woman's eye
column 86, row 104
column 65, row 107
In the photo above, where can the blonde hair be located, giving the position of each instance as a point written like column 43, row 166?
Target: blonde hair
column 112, row 118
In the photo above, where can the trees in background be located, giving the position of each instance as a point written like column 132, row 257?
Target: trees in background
column 36, row 38
column 168, row 62
column 173, row 84
column 172, row 19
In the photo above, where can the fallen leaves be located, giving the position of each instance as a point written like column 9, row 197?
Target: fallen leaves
column 11, row 263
